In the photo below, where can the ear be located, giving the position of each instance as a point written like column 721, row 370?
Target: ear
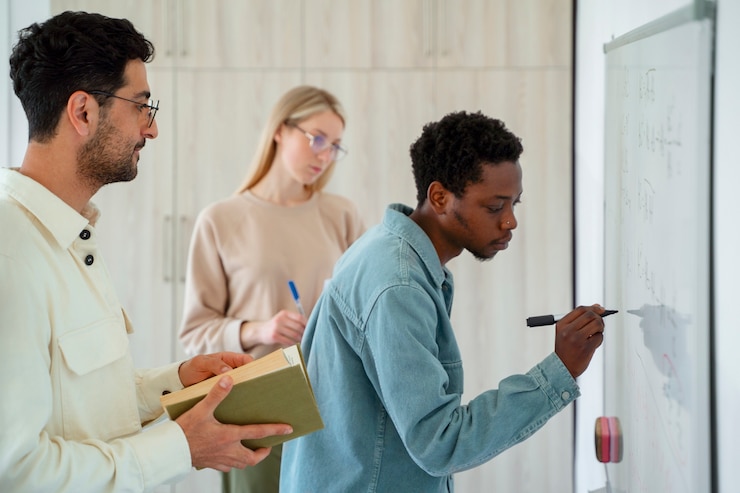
column 278, row 136
column 438, row 197
column 82, row 110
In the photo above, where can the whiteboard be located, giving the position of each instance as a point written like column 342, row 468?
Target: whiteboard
column 657, row 258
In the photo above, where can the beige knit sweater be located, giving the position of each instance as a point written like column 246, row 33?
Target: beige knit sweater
column 243, row 252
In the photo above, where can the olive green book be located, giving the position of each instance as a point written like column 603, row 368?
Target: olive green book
column 271, row 389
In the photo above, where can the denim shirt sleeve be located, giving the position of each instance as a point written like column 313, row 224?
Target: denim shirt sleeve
column 411, row 358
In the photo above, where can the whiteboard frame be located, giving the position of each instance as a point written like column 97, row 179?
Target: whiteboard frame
column 700, row 9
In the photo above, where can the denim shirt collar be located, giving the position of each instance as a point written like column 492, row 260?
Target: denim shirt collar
column 397, row 221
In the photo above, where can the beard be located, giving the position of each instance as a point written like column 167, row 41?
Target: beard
column 479, row 255
column 107, row 158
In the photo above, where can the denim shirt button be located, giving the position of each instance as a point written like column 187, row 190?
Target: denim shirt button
column 565, row 395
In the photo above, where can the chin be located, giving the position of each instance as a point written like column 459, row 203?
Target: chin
column 483, row 257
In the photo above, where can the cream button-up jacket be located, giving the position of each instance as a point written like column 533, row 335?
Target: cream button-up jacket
column 72, row 402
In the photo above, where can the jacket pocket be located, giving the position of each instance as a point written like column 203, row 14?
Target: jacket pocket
column 95, row 382
column 93, row 347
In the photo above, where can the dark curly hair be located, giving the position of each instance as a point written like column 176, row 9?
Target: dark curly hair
column 71, row 51
column 453, row 150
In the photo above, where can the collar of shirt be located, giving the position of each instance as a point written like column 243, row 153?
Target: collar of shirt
column 62, row 221
column 397, row 220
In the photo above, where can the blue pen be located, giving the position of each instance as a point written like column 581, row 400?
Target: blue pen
column 296, row 298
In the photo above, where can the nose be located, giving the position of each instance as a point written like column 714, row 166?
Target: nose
column 510, row 222
column 151, row 132
column 326, row 156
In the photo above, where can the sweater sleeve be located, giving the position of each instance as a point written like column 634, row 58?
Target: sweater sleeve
column 205, row 327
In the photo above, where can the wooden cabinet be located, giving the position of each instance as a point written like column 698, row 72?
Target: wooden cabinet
column 210, row 34
column 237, row 33
column 503, row 33
column 437, row 34
column 369, row 34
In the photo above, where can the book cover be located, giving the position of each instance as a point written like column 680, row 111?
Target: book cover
column 271, row 389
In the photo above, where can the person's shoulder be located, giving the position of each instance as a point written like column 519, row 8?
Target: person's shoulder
column 224, row 206
column 15, row 221
column 335, row 201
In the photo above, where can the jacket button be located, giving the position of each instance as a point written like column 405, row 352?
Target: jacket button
column 89, row 260
column 85, row 234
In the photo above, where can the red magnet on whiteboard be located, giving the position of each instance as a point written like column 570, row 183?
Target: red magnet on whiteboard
column 608, row 439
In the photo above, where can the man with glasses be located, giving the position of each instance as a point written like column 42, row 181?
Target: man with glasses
column 73, row 404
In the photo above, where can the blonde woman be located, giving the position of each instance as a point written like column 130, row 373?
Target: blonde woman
column 279, row 226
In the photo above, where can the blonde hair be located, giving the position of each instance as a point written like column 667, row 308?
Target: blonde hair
column 296, row 105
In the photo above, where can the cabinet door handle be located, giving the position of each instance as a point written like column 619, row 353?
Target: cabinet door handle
column 427, row 20
column 181, row 37
column 167, row 263
column 184, row 245
column 443, row 23
column 165, row 8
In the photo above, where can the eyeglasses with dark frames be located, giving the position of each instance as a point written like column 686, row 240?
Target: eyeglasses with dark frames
column 153, row 106
column 319, row 143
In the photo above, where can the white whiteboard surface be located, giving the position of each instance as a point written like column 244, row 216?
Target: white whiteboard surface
column 657, row 259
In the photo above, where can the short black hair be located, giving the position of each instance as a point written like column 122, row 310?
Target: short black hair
column 71, row 51
column 453, row 150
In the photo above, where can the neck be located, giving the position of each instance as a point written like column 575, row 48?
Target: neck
column 281, row 190
column 428, row 220
column 55, row 167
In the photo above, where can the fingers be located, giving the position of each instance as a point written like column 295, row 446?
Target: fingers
column 217, row 394
column 577, row 337
column 205, row 366
column 579, row 311
column 235, row 360
column 253, row 432
column 217, row 445
column 289, row 328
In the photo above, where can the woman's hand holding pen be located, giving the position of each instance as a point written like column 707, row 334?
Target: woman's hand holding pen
column 285, row 328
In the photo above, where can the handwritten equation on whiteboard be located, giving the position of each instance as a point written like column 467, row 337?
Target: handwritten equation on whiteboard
column 657, row 260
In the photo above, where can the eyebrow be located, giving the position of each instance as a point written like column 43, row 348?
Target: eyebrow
column 325, row 135
column 142, row 94
column 509, row 197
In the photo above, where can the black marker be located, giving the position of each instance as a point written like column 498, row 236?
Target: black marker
column 551, row 319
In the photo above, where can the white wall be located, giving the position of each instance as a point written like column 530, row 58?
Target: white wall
column 15, row 15
column 591, row 25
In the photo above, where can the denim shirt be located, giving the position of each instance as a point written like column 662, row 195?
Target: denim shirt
column 388, row 377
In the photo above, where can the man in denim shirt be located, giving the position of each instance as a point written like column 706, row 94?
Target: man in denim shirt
column 381, row 351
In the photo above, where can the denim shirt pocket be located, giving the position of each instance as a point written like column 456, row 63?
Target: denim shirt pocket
column 455, row 382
